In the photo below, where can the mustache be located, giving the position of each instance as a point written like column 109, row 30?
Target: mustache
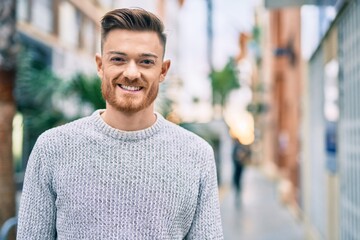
column 127, row 82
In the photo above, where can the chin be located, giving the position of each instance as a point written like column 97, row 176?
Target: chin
column 130, row 108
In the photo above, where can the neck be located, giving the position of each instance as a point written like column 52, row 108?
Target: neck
column 129, row 121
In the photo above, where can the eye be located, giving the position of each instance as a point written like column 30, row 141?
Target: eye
column 147, row 62
column 117, row 59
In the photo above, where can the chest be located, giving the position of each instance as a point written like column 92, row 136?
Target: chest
column 125, row 181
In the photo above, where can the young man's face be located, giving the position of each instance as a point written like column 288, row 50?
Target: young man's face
column 131, row 68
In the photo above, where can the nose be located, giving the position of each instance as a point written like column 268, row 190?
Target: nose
column 131, row 71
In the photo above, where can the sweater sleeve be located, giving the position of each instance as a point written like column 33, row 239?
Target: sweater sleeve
column 207, row 220
column 37, row 211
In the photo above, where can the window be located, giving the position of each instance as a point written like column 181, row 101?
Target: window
column 42, row 15
column 22, row 10
column 69, row 24
column 88, row 36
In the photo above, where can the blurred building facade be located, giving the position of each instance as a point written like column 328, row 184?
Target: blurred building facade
column 315, row 104
column 330, row 158
column 281, row 73
column 65, row 34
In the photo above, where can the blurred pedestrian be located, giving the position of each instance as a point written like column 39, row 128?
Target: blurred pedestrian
column 124, row 172
column 241, row 156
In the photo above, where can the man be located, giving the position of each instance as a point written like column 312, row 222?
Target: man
column 123, row 172
column 241, row 155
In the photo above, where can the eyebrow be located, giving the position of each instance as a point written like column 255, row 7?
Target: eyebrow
column 140, row 55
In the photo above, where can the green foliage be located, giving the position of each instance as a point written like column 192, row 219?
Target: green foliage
column 35, row 88
column 38, row 91
column 223, row 82
column 87, row 89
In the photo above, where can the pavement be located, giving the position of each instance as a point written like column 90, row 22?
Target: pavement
column 257, row 214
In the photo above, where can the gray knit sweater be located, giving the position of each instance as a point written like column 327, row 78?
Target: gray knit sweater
column 86, row 180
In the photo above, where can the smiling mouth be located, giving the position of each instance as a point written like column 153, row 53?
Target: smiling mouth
column 130, row 88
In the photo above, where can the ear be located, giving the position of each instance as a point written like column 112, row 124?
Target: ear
column 164, row 69
column 99, row 64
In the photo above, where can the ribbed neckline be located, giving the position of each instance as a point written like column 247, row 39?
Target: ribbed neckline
column 103, row 127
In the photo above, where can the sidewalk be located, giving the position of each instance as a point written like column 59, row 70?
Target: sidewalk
column 257, row 214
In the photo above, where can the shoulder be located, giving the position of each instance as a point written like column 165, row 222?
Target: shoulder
column 187, row 139
column 67, row 131
column 182, row 133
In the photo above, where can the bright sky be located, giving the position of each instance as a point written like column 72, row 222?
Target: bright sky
column 230, row 17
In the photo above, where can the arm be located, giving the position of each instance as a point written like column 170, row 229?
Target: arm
column 207, row 220
column 37, row 213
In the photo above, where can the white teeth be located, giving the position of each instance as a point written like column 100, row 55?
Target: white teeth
column 130, row 88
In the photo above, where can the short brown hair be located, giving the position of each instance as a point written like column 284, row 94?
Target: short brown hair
column 134, row 19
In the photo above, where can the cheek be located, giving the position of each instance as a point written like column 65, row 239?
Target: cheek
column 113, row 71
column 110, row 76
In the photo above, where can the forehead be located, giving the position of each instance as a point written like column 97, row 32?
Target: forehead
column 119, row 39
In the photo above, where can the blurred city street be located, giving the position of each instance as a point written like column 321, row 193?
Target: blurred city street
column 257, row 214
column 278, row 79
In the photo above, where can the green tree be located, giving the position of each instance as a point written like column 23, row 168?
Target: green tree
column 223, row 82
column 86, row 89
